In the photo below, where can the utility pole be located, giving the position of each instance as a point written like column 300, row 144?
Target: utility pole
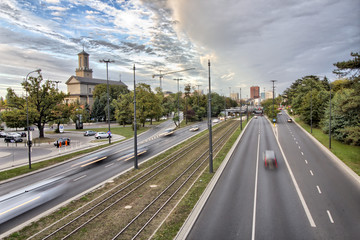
column 273, row 81
column 209, row 124
column 240, row 112
column 107, row 92
column 135, row 127
column 178, row 79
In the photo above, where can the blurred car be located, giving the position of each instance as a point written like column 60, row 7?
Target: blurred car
column 255, row 117
column 270, row 159
column 64, row 141
column 30, row 129
column 13, row 138
column 289, row 120
column 194, row 128
column 216, row 120
column 2, row 134
column 89, row 133
column 100, row 135
column 23, row 134
column 168, row 132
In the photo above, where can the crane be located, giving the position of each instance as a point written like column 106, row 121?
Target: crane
column 161, row 75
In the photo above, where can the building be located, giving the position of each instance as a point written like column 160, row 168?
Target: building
column 268, row 95
column 254, row 92
column 81, row 86
column 234, row 96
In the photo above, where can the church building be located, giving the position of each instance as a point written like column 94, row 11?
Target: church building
column 81, row 86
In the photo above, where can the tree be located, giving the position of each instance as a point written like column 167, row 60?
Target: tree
column 42, row 99
column 15, row 118
column 124, row 108
column 345, row 68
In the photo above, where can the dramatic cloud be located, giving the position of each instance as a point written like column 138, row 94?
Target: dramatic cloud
column 248, row 42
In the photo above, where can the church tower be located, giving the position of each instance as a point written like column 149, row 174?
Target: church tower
column 83, row 70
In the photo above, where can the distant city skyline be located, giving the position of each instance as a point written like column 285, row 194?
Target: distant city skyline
column 248, row 42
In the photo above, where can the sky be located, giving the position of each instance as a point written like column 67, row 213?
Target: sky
column 248, row 42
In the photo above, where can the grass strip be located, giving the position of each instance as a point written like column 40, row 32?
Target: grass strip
column 346, row 153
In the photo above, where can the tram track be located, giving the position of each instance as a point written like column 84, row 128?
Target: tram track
column 132, row 204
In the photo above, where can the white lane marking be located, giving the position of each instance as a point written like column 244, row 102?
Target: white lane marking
column 306, row 209
column 312, row 174
column 297, row 143
column 306, row 161
column 330, row 217
column 109, row 165
column 255, row 191
column 302, row 153
column 294, row 139
column 76, row 179
column 318, row 188
column 299, row 147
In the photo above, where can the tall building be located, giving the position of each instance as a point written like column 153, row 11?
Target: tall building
column 81, row 86
column 268, row 94
column 254, row 92
column 234, row 96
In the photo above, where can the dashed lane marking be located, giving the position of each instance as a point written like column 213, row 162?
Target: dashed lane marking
column 76, row 179
column 312, row 174
column 318, row 188
column 330, row 217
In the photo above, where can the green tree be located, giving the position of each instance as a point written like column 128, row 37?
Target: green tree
column 42, row 98
column 14, row 118
column 124, row 108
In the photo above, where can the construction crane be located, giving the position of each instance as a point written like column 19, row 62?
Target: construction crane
column 161, row 75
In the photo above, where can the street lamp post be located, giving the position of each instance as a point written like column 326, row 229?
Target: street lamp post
column 135, row 127
column 209, row 124
column 178, row 108
column 27, row 116
column 240, row 112
column 273, row 81
column 330, row 119
column 107, row 92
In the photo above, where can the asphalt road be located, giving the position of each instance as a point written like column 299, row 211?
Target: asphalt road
column 81, row 176
column 290, row 202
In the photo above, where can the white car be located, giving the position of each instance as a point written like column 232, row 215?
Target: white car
column 100, row 135
column 194, row 128
column 14, row 134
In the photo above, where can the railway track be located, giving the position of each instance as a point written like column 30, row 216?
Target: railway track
column 133, row 208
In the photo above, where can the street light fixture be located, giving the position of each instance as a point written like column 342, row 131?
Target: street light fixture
column 27, row 116
column 107, row 92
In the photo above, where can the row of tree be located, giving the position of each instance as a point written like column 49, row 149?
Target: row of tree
column 309, row 97
column 46, row 105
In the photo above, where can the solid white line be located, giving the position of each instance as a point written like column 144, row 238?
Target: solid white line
column 311, row 173
column 318, row 188
column 76, row 179
column 255, row 191
column 306, row 209
column 329, row 214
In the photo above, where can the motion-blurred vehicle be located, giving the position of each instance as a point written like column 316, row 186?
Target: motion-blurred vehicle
column 255, row 117
column 100, row 135
column 63, row 141
column 270, row 159
column 194, row 128
column 216, row 120
column 289, row 120
column 89, row 133
column 22, row 200
column 168, row 132
column 13, row 134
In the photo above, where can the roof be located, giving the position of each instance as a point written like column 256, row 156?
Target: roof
column 93, row 81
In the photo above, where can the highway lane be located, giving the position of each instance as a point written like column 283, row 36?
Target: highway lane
column 333, row 196
column 82, row 178
column 251, row 202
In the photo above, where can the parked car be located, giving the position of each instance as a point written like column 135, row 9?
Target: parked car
column 13, row 138
column 30, row 129
column 23, row 134
column 63, row 140
column 270, row 159
column 89, row 133
column 2, row 134
column 100, row 135
column 14, row 134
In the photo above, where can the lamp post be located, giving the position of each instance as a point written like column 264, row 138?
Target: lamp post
column 27, row 116
column 209, row 124
column 240, row 112
column 135, row 127
column 178, row 79
column 107, row 92
column 330, row 118
column 273, row 81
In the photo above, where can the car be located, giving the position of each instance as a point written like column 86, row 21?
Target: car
column 100, row 135
column 30, row 129
column 14, row 134
column 13, row 138
column 168, row 132
column 63, row 141
column 23, row 134
column 289, row 120
column 216, row 120
column 194, row 128
column 89, row 133
column 255, row 117
column 270, row 159
column 2, row 134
